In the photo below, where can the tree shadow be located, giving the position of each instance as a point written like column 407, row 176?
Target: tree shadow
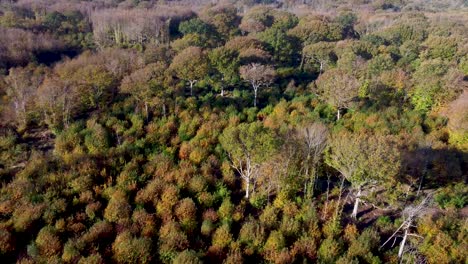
column 426, row 168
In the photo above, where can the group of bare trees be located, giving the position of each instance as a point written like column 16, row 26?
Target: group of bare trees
column 18, row 46
column 129, row 27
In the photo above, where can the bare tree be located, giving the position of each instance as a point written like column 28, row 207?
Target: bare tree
column 133, row 26
column 410, row 215
column 313, row 138
column 57, row 100
column 22, row 84
column 257, row 75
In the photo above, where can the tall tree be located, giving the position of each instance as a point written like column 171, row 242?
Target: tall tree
column 338, row 88
column 22, row 84
column 191, row 65
column 283, row 47
column 257, row 75
column 146, row 85
column 57, row 101
column 225, row 63
column 248, row 145
column 321, row 53
column 313, row 140
column 364, row 161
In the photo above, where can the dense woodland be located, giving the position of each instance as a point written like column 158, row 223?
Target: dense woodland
column 244, row 131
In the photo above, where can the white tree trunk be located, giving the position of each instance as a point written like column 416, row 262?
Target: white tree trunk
column 338, row 114
column 191, row 88
column 255, row 95
column 356, row 204
column 402, row 245
column 247, row 188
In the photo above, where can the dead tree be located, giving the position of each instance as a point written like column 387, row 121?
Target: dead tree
column 410, row 215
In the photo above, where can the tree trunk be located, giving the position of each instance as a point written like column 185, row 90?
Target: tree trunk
column 402, row 245
column 338, row 114
column 247, row 189
column 146, row 111
column 356, row 204
column 222, row 91
column 191, row 88
column 338, row 205
column 255, row 96
column 164, row 109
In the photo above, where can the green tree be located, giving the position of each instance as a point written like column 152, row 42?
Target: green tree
column 321, row 53
column 195, row 26
column 283, row 47
column 364, row 161
column 225, row 63
column 248, row 145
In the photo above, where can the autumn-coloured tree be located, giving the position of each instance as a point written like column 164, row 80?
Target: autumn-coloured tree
column 57, row 101
column 147, row 85
column 191, row 65
column 257, row 75
column 338, row 88
column 130, row 249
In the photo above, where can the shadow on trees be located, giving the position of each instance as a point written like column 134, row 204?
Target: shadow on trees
column 427, row 168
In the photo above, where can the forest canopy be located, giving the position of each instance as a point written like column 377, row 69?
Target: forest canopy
column 198, row 131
